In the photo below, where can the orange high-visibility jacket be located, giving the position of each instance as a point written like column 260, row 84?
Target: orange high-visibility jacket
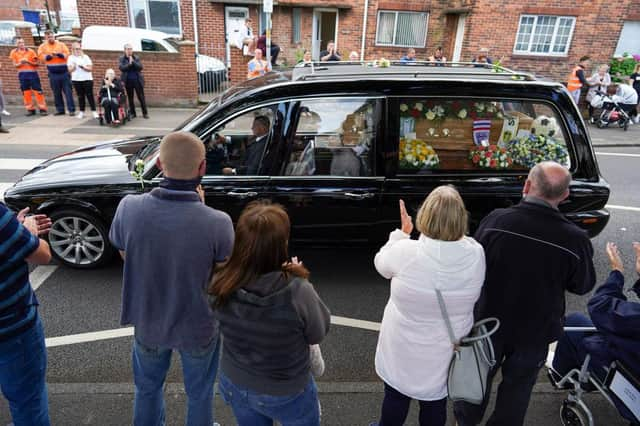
column 17, row 55
column 55, row 65
column 573, row 82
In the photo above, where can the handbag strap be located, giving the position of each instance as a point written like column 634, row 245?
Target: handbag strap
column 445, row 315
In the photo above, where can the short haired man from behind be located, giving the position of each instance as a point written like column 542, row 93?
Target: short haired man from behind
column 170, row 240
column 534, row 254
column 23, row 357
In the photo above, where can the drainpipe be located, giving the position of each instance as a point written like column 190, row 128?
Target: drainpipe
column 364, row 29
column 195, row 25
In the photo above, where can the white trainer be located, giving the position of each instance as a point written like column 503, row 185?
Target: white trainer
column 80, row 115
column 5, row 112
column 95, row 115
column 636, row 119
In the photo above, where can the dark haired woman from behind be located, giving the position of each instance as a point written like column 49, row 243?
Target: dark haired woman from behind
column 269, row 315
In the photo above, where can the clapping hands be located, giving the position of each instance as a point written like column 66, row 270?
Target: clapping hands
column 60, row 55
column 38, row 224
column 616, row 261
column 405, row 220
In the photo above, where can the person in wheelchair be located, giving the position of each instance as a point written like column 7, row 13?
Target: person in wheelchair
column 109, row 96
column 617, row 321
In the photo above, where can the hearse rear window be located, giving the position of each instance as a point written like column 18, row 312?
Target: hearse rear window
column 477, row 134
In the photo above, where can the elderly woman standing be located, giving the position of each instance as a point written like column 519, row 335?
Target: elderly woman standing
column 414, row 350
column 600, row 80
column 80, row 67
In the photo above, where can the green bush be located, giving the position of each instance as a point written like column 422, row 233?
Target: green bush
column 622, row 68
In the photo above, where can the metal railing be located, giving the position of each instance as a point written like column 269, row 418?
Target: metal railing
column 213, row 71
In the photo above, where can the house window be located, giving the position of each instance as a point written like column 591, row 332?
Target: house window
column 158, row 15
column 543, row 34
column 403, row 29
column 295, row 25
column 629, row 41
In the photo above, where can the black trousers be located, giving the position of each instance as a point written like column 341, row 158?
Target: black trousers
column 110, row 107
column 395, row 408
column 136, row 86
column 84, row 90
column 520, row 366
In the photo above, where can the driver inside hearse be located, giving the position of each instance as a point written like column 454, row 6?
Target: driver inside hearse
column 218, row 147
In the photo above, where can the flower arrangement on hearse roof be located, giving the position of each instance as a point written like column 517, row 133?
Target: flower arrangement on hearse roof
column 415, row 154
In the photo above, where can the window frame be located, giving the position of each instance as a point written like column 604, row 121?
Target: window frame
column 147, row 17
column 296, row 29
column 553, row 37
column 619, row 51
column 395, row 28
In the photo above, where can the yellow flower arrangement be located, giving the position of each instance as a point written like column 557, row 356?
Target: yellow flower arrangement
column 416, row 154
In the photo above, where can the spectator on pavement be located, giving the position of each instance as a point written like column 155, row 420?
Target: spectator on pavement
column 262, row 45
column 634, row 81
column 617, row 320
column 80, row 67
column 626, row 97
column 409, row 57
column 598, row 82
column 54, row 55
column 331, row 54
column 269, row 316
column 109, row 96
column 577, row 79
column 167, row 265
column 3, row 109
column 133, row 80
column 257, row 66
column 246, row 39
column 413, row 360
column 306, row 57
column 438, row 57
column 26, row 62
column 23, row 356
column 534, row 254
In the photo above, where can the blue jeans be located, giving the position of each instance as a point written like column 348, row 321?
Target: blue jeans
column 150, row 366
column 254, row 409
column 23, row 364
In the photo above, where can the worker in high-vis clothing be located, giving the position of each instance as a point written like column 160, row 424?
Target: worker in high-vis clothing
column 26, row 62
column 577, row 79
column 54, row 55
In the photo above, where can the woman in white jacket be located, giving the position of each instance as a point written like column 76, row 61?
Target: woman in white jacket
column 414, row 350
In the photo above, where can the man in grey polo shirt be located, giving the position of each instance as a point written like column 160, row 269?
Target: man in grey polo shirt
column 170, row 241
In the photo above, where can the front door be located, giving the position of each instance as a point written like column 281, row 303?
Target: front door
column 328, row 180
column 234, row 18
column 325, row 29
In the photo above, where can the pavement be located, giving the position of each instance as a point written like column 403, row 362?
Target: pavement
column 90, row 380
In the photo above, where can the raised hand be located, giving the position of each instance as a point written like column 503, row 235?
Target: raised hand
column 405, row 220
column 614, row 257
column 636, row 248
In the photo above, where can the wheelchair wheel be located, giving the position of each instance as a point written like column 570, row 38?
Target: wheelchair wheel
column 572, row 415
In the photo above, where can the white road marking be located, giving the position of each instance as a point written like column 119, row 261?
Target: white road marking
column 627, row 208
column 617, row 154
column 38, row 276
column 19, row 163
column 115, row 333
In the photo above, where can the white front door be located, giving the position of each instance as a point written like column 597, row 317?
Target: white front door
column 324, row 29
column 234, row 23
column 457, row 47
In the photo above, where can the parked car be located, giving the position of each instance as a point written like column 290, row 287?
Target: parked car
column 212, row 72
column 345, row 143
column 8, row 31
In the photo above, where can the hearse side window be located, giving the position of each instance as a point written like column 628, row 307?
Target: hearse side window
column 237, row 147
column 477, row 134
column 333, row 138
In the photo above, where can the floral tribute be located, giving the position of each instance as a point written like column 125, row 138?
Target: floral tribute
column 438, row 111
column 416, row 154
column 490, row 157
column 138, row 172
column 531, row 150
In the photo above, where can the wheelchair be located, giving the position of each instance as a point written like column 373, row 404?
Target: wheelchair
column 619, row 383
column 122, row 112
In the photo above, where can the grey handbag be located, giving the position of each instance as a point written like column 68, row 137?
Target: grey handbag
column 472, row 360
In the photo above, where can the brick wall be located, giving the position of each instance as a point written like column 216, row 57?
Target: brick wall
column 12, row 9
column 170, row 78
column 596, row 32
column 100, row 12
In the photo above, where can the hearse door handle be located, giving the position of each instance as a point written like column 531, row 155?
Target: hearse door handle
column 356, row 196
column 242, row 195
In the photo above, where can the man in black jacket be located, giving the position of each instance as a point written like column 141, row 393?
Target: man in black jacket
column 132, row 77
column 533, row 255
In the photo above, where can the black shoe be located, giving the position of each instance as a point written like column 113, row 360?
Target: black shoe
column 59, row 113
column 4, row 130
column 132, row 114
column 30, row 113
column 43, row 112
column 72, row 113
column 145, row 116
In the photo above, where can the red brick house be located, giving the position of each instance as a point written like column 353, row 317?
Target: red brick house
column 545, row 36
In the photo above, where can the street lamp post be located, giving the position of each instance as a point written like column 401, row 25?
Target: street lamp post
column 267, row 7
